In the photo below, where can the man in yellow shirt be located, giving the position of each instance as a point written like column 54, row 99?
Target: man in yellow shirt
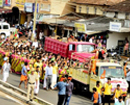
column 99, row 87
column 107, row 92
column 117, row 92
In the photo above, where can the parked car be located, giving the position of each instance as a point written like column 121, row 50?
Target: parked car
column 4, row 30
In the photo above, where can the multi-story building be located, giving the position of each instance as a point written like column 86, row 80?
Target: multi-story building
column 22, row 10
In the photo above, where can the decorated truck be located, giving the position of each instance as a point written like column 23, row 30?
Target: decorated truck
column 66, row 49
column 86, row 71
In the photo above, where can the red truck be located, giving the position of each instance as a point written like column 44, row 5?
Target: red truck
column 66, row 49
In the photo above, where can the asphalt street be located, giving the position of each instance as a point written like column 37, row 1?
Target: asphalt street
column 50, row 96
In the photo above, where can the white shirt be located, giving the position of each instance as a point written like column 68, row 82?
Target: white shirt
column 40, row 35
column 128, row 76
column 35, row 44
column 90, row 40
column 6, row 67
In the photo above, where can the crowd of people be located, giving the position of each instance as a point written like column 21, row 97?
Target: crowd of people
column 34, row 64
column 29, row 59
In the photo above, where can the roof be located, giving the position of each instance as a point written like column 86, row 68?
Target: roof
column 3, row 23
column 97, row 2
column 107, row 64
column 120, row 7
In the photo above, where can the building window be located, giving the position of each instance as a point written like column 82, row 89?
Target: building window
column 95, row 8
column 87, row 10
column 80, row 9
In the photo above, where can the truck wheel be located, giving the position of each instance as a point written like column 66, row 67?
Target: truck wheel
column 2, row 36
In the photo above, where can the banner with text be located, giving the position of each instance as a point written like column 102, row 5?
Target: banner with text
column 7, row 2
column 1, row 3
column 80, row 27
column 20, row 3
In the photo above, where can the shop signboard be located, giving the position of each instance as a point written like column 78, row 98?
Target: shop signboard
column 28, row 7
column 81, row 27
column 6, row 2
column 115, row 26
column 20, row 3
column 45, row 7
column 1, row 3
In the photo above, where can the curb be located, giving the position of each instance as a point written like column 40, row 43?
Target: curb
column 20, row 94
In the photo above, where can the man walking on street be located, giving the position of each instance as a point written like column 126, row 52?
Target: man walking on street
column 32, row 78
column 62, row 90
column 24, row 75
column 69, row 89
column 48, row 75
column 107, row 92
column 6, row 68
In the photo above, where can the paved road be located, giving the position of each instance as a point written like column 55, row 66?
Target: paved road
column 8, row 100
column 50, row 96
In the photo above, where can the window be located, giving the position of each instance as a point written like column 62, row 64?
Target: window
column 87, row 10
column 0, row 27
column 95, row 10
column 85, row 48
column 80, row 9
column 5, row 26
column 71, row 47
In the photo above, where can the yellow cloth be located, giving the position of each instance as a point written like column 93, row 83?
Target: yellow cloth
column 107, row 89
column 38, row 64
column 37, row 75
column 99, row 89
column 118, row 93
column 55, row 69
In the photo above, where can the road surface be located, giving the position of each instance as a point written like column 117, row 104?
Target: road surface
column 50, row 96
column 8, row 100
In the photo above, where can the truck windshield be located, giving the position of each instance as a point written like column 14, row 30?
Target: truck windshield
column 85, row 48
column 112, row 71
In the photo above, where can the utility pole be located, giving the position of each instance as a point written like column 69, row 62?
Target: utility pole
column 34, row 20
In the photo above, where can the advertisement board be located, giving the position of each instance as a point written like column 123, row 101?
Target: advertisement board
column 20, row 3
column 115, row 26
column 6, row 2
column 1, row 3
column 81, row 27
column 28, row 7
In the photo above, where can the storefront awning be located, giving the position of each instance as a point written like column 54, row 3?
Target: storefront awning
column 5, row 10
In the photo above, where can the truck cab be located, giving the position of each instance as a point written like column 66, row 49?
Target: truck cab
column 78, row 47
column 85, row 79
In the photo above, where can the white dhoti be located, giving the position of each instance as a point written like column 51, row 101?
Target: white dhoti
column 44, row 83
column 54, row 80
column 5, row 76
column 36, row 90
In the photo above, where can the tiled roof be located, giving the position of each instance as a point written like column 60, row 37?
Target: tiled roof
column 97, row 2
column 120, row 7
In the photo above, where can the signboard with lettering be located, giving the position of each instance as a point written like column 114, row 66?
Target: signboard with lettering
column 28, row 7
column 20, row 3
column 115, row 26
column 1, row 3
column 45, row 7
column 7, row 2
column 80, row 27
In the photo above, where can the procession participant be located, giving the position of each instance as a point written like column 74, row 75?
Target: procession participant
column 48, row 75
column 6, row 68
column 54, row 75
column 117, row 93
column 107, row 92
column 96, row 98
column 24, row 75
column 36, row 90
column 32, row 78
column 98, row 87
column 120, row 101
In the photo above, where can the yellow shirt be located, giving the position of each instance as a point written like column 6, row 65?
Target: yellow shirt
column 107, row 89
column 99, row 89
column 118, row 93
column 38, row 64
